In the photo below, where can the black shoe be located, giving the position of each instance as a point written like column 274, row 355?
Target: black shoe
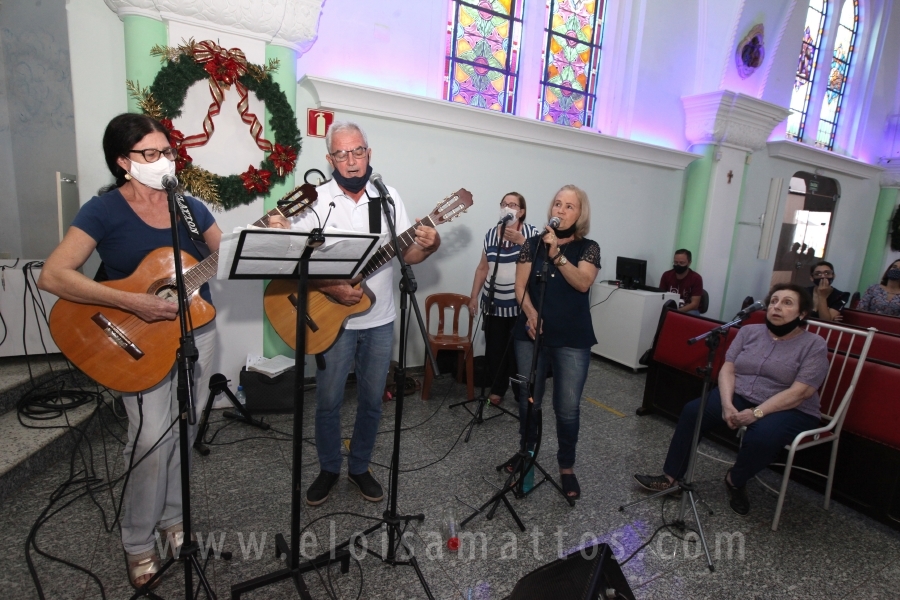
column 737, row 498
column 369, row 488
column 318, row 491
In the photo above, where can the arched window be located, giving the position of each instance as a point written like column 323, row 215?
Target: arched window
column 571, row 57
column 844, row 43
column 483, row 53
column 806, row 68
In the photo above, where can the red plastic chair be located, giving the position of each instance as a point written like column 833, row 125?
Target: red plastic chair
column 444, row 340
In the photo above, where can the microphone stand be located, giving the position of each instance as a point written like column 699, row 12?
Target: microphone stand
column 482, row 399
column 185, row 357
column 525, row 460
column 712, row 337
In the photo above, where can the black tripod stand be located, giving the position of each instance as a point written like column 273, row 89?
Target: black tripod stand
column 526, row 459
column 482, row 400
column 218, row 384
column 713, row 338
column 185, row 357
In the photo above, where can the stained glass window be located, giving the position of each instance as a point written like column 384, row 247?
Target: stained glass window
column 572, row 55
column 483, row 53
column 844, row 44
column 806, row 69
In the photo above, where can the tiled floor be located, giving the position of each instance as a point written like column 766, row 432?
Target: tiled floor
column 241, row 499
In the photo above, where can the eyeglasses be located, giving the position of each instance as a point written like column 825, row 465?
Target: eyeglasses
column 511, row 205
column 341, row 155
column 823, row 273
column 152, row 155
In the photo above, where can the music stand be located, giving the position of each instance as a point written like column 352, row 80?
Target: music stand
column 288, row 254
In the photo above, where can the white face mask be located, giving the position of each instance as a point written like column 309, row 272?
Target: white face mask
column 504, row 210
column 151, row 174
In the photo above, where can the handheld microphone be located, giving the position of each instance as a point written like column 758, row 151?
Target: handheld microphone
column 553, row 223
column 375, row 179
column 758, row 305
column 169, row 182
column 506, row 218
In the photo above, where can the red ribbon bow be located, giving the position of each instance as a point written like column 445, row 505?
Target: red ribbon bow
column 256, row 180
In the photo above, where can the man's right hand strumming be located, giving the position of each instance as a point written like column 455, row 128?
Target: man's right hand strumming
column 341, row 291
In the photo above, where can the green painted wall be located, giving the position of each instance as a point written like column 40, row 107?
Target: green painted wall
column 141, row 34
column 286, row 77
column 874, row 261
column 696, row 194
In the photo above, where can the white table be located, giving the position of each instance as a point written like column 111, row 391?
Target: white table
column 18, row 317
column 625, row 321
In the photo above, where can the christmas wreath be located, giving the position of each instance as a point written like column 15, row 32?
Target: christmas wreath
column 163, row 100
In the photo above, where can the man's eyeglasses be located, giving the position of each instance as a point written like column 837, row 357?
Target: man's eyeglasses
column 152, row 155
column 511, row 205
column 341, row 155
column 823, row 273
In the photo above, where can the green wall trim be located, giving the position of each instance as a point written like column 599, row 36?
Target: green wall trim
column 141, row 34
column 696, row 195
column 878, row 239
column 286, row 78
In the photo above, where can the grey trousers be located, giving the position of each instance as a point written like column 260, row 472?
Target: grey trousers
column 153, row 492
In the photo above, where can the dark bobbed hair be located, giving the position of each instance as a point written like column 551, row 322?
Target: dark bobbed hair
column 802, row 294
column 122, row 133
column 821, row 263
column 686, row 252
column 521, row 200
column 884, row 278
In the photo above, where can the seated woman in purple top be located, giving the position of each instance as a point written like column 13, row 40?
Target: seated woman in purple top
column 768, row 384
column 884, row 298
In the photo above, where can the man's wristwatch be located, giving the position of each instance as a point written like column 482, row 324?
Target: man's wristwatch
column 758, row 413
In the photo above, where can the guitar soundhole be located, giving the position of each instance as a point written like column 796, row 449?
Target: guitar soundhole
column 168, row 292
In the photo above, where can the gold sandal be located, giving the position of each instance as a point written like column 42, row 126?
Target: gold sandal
column 142, row 565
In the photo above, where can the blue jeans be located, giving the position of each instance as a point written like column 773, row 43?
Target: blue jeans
column 369, row 352
column 762, row 440
column 570, row 366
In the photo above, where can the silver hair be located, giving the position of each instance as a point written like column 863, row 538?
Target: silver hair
column 339, row 126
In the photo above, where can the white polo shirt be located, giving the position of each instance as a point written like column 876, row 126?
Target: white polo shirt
column 354, row 216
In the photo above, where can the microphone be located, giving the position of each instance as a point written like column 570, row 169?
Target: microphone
column 169, row 182
column 758, row 305
column 553, row 223
column 506, row 218
column 375, row 179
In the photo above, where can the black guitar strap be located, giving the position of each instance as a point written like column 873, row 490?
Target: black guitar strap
column 374, row 213
column 187, row 217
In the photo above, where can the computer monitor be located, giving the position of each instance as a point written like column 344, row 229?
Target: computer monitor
column 632, row 272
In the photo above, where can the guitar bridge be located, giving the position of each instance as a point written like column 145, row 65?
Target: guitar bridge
column 118, row 336
column 309, row 320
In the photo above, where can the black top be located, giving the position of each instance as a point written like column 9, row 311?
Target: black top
column 835, row 299
column 566, row 311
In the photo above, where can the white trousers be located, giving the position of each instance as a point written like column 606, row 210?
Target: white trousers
column 153, row 492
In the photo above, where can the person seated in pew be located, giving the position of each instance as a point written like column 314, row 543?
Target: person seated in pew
column 681, row 280
column 827, row 301
column 768, row 384
column 884, row 298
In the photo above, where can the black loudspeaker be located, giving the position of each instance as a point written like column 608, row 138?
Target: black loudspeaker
column 589, row 574
column 269, row 395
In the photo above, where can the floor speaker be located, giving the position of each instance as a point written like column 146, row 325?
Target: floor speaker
column 589, row 574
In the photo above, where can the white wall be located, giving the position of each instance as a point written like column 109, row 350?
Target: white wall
column 41, row 120
column 10, row 228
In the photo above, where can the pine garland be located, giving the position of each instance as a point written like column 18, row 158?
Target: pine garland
column 165, row 98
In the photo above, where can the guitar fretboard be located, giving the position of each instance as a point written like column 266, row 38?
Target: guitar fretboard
column 209, row 266
column 386, row 252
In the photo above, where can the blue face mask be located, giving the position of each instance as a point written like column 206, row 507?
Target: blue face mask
column 893, row 274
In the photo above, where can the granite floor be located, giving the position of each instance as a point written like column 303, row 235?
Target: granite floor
column 241, row 500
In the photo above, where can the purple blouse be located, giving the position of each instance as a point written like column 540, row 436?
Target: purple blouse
column 764, row 366
column 876, row 300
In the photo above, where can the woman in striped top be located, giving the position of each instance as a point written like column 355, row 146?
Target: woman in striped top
column 501, row 362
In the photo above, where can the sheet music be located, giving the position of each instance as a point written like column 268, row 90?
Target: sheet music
column 338, row 257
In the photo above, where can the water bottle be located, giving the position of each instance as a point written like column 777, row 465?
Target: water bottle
column 528, row 480
column 451, row 529
column 241, row 396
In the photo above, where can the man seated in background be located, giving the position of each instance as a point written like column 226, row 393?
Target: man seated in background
column 827, row 300
column 681, row 280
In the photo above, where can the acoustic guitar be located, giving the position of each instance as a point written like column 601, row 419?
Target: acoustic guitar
column 325, row 317
column 121, row 351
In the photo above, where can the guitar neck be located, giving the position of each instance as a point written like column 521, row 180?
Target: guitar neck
column 386, row 253
column 209, row 266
